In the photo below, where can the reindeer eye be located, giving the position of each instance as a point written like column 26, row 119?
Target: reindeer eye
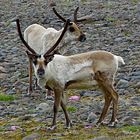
column 71, row 29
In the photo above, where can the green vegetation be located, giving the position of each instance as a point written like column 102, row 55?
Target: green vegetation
column 77, row 132
column 5, row 97
column 134, row 1
column 110, row 18
column 71, row 108
column 132, row 128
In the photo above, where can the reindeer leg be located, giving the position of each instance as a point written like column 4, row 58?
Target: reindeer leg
column 35, row 83
column 63, row 105
column 105, row 109
column 57, row 101
column 30, row 90
column 49, row 94
column 114, row 96
column 100, row 79
column 115, row 107
column 107, row 84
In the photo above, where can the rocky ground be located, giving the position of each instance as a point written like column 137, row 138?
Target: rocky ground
column 114, row 27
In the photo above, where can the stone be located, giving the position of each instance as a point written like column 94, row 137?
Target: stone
column 34, row 136
column 102, row 138
column 2, row 69
column 1, row 107
column 3, row 75
column 123, row 83
column 108, row 30
column 43, row 107
column 91, row 117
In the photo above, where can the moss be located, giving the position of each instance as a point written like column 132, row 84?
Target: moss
column 134, row 1
column 71, row 108
column 77, row 132
column 110, row 19
column 132, row 128
column 134, row 108
column 5, row 97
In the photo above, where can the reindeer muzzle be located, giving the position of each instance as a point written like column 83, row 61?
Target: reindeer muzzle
column 82, row 38
column 40, row 72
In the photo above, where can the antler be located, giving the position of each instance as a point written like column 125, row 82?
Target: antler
column 22, row 39
column 75, row 14
column 59, row 39
column 85, row 18
column 62, row 18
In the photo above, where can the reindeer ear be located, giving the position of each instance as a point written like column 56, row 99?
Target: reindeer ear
column 56, row 51
column 48, row 59
column 30, row 55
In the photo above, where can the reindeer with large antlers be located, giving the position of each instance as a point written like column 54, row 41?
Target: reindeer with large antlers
column 41, row 39
column 85, row 70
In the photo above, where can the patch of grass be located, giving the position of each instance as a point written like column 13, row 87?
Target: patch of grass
column 132, row 128
column 71, row 108
column 5, row 97
column 134, row 108
column 134, row 1
column 77, row 132
column 110, row 19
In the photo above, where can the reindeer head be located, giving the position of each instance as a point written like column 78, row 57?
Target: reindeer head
column 73, row 28
column 40, row 61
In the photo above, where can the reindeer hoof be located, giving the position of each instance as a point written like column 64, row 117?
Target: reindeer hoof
column 113, row 124
column 29, row 92
column 103, row 123
column 98, row 124
column 49, row 98
column 68, row 126
column 53, row 127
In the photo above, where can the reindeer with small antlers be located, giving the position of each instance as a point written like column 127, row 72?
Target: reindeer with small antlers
column 85, row 70
column 41, row 39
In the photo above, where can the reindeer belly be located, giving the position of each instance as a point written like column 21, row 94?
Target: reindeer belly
column 81, row 84
column 83, row 79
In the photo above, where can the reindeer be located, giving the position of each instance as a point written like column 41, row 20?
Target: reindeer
column 85, row 70
column 41, row 39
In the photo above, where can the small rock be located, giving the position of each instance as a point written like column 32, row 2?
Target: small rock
column 2, row 69
column 3, row 76
column 135, row 99
column 122, row 83
column 128, row 120
column 123, row 102
column 51, row 4
column 137, row 85
column 102, row 138
column 53, row 139
column 91, row 117
column 136, row 73
column 43, row 107
column 33, row 136
column 119, row 39
column 1, row 107
column 82, row 93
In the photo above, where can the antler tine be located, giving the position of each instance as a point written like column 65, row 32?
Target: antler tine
column 59, row 16
column 75, row 14
column 22, row 39
column 59, row 39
